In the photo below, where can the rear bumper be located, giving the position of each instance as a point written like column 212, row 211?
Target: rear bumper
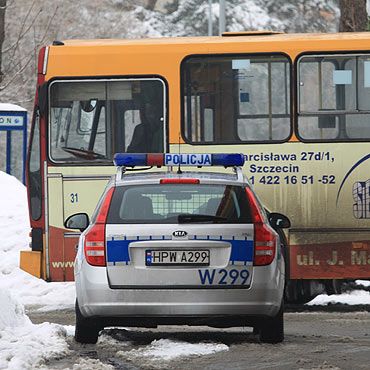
column 180, row 306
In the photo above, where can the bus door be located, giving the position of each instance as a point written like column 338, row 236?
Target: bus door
column 77, row 133
column 89, row 122
column 67, row 194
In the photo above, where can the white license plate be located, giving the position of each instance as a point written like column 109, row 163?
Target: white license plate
column 177, row 257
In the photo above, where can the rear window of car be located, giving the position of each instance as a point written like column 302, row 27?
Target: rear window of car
column 177, row 203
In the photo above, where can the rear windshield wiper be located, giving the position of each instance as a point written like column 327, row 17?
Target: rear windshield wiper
column 184, row 218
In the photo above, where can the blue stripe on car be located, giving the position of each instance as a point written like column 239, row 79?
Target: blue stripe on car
column 118, row 250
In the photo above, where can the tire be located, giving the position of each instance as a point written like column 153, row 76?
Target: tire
column 272, row 328
column 301, row 291
column 87, row 329
column 333, row 286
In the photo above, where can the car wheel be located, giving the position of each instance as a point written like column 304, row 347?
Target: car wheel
column 272, row 328
column 87, row 329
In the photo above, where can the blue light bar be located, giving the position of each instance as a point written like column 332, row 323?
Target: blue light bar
column 228, row 160
column 172, row 159
column 130, row 160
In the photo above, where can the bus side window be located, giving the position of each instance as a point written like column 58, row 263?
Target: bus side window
column 262, row 96
column 236, row 99
column 334, row 97
column 34, row 170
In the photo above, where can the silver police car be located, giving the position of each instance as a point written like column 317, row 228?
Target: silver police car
column 179, row 248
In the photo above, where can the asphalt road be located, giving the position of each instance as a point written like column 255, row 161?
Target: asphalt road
column 336, row 339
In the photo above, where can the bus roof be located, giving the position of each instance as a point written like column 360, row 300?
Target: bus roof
column 254, row 37
column 162, row 56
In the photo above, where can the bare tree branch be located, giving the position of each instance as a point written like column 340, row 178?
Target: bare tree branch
column 48, row 25
column 30, row 55
column 16, row 74
column 15, row 95
column 23, row 23
column 11, row 47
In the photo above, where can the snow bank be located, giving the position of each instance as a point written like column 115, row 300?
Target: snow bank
column 365, row 283
column 12, row 312
column 14, row 231
column 22, row 344
column 27, row 346
column 356, row 297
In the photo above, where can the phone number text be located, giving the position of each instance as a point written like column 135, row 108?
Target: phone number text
column 293, row 179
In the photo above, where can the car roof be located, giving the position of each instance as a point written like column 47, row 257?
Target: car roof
column 125, row 178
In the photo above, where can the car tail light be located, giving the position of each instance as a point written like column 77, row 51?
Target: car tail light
column 264, row 237
column 179, row 181
column 264, row 245
column 95, row 245
column 95, row 238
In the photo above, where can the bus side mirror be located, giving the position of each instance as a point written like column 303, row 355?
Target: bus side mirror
column 279, row 221
column 42, row 99
column 77, row 221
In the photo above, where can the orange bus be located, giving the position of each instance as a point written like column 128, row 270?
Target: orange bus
column 296, row 105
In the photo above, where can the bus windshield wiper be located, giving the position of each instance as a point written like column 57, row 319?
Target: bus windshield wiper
column 83, row 153
column 184, row 218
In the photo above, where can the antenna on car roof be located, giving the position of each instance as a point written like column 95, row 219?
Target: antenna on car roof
column 179, row 172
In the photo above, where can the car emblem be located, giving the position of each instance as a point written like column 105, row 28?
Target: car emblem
column 179, row 233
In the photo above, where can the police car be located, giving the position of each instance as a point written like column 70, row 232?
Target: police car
column 176, row 247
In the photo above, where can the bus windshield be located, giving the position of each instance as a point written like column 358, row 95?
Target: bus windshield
column 91, row 120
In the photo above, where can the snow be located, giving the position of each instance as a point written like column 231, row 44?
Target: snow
column 166, row 349
column 23, row 344
column 15, row 228
column 352, row 298
column 28, row 346
column 8, row 107
column 355, row 297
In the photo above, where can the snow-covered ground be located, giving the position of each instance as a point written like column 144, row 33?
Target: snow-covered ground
column 25, row 345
